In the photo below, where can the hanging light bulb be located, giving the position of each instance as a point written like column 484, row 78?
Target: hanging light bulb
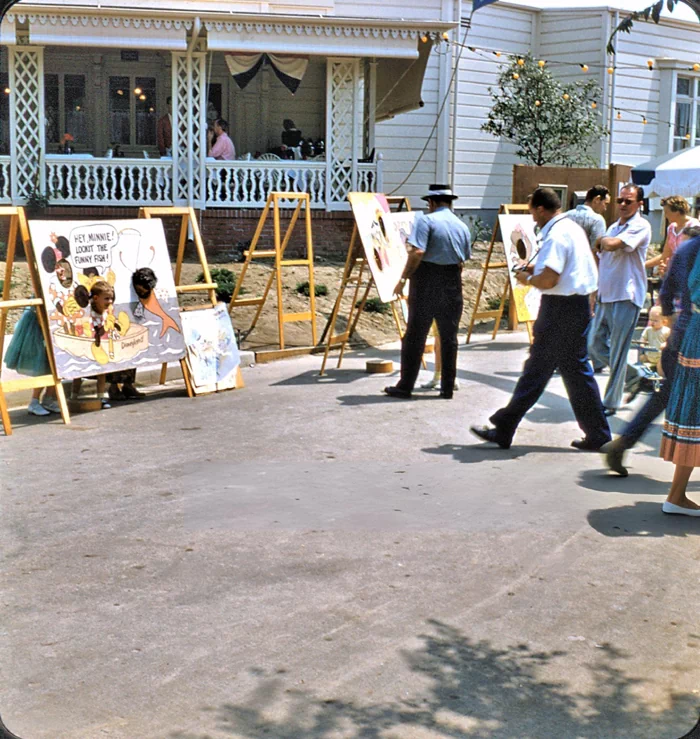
column 594, row 105
column 516, row 76
column 696, row 67
column 142, row 97
column 138, row 91
column 472, row 48
column 497, row 53
column 120, row 92
column 541, row 63
column 538, row 103
column 584, row 67
column 424, row 39
column 687, row 137
column 650, row 64
column 619, row 116
column 644, row 121
column 566, row 96
column 521, row 62
column 77, row 107
column 445, row 36
column 7, row 91
column 151, row 110
column 611, row 70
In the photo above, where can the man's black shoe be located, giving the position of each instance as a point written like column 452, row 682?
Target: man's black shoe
column 446, row 396
column 585, row 445
column 614, row 452
column 394, row 391
column 488, row 433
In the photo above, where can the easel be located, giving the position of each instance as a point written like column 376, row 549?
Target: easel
column 507, row 290
column 277, row 253
column 188, row 219
column 18, row 223
column 353, row 273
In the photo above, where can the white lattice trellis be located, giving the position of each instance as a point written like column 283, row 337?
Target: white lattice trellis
column 189, row 128
column 26, row 119
column 342, row 130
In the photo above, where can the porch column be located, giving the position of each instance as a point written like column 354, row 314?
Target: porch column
column 189, row 128
column 27, row 122
column 343, row 130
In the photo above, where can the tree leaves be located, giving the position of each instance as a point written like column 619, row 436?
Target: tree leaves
column 651, row 12
column 549, row 122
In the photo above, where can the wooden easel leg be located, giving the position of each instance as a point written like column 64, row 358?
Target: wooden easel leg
column 186, row 378
column 504, row 297
column 278, row 273
column 4, row 412
column 310, row 257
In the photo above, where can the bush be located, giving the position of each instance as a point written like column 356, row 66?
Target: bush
column 375, row 305
column 226, row 283
column 303, row 288
column 478, row 228
column 495, row 304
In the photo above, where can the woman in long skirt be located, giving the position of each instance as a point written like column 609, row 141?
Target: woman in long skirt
column 680, row 442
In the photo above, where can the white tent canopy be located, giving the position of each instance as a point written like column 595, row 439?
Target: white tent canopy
column 672, row 174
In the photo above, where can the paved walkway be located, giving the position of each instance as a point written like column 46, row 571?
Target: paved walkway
column 305, row 559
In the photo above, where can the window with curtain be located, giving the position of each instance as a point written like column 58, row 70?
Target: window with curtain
column 132, row 110
column 120, row 110
column 65, row 107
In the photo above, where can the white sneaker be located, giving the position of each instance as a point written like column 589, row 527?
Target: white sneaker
column 35, row 408
column 433, row 384
column 51, row 405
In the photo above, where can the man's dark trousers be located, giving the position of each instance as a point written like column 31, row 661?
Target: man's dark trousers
column 657, row 402
column 435, row 293
column 560, row 342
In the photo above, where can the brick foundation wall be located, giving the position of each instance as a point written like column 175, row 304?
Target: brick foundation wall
column 226, row 232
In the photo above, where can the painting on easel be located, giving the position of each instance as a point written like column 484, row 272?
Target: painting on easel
column 212, row 352
column 110, row 295
column 520, row 245
column 383, row 235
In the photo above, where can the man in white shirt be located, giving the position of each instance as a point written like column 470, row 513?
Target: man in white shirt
column 565, row 273
column 589, row 215
column 621, row 292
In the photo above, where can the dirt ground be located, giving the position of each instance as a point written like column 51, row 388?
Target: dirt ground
column 373, row 329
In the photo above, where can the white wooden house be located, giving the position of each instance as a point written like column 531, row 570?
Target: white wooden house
column 104, row 75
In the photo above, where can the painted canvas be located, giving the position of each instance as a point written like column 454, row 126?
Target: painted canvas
column 138, row 329
column 520, row 244
column 383, row 235
column 212, row 352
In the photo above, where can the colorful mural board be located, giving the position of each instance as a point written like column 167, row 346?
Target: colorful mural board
column 520, row 244
column 212, row 352
column 136, row 331
column 383, row 235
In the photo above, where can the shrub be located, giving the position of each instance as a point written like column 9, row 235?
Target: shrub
column 375, row 305
column 495, row 304
column 304, row 289
column 225, row 280
column 478, row 229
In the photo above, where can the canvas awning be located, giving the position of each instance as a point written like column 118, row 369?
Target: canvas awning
column 399, row 83
column 108, row 31
column 677, row 173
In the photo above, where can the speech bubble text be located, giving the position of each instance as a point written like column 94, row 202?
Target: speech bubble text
column 91, row 246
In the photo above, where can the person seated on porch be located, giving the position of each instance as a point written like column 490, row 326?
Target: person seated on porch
column 291, row 136
column 164, row 132
column 223, row 149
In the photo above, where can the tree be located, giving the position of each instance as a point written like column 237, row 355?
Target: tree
column 652, row 12
column 549, row 122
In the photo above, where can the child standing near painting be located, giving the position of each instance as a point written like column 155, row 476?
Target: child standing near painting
column 26, row 354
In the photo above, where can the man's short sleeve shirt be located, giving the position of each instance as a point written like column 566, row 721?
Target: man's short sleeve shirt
column 590, row 221
column 566, row 251
column 442, row 236
column 622, row 272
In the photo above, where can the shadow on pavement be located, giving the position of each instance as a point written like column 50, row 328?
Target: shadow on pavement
column 331, row 377
column 603, row 481
column 642, row 519
column 480, row 452
column 380, row 397
column 472, row 689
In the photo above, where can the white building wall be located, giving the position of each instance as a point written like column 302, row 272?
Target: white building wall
column 484, row 164
column 428, row 10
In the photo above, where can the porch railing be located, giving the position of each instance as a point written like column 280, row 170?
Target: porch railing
column 5, row 186
column 71, row 180
column 75, row 180
column 246, row 184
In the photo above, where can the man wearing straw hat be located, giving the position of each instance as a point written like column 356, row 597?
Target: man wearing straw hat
column 438, row 246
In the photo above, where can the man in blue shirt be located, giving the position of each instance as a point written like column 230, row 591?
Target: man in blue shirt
column 674, row 287
column 439, row 245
